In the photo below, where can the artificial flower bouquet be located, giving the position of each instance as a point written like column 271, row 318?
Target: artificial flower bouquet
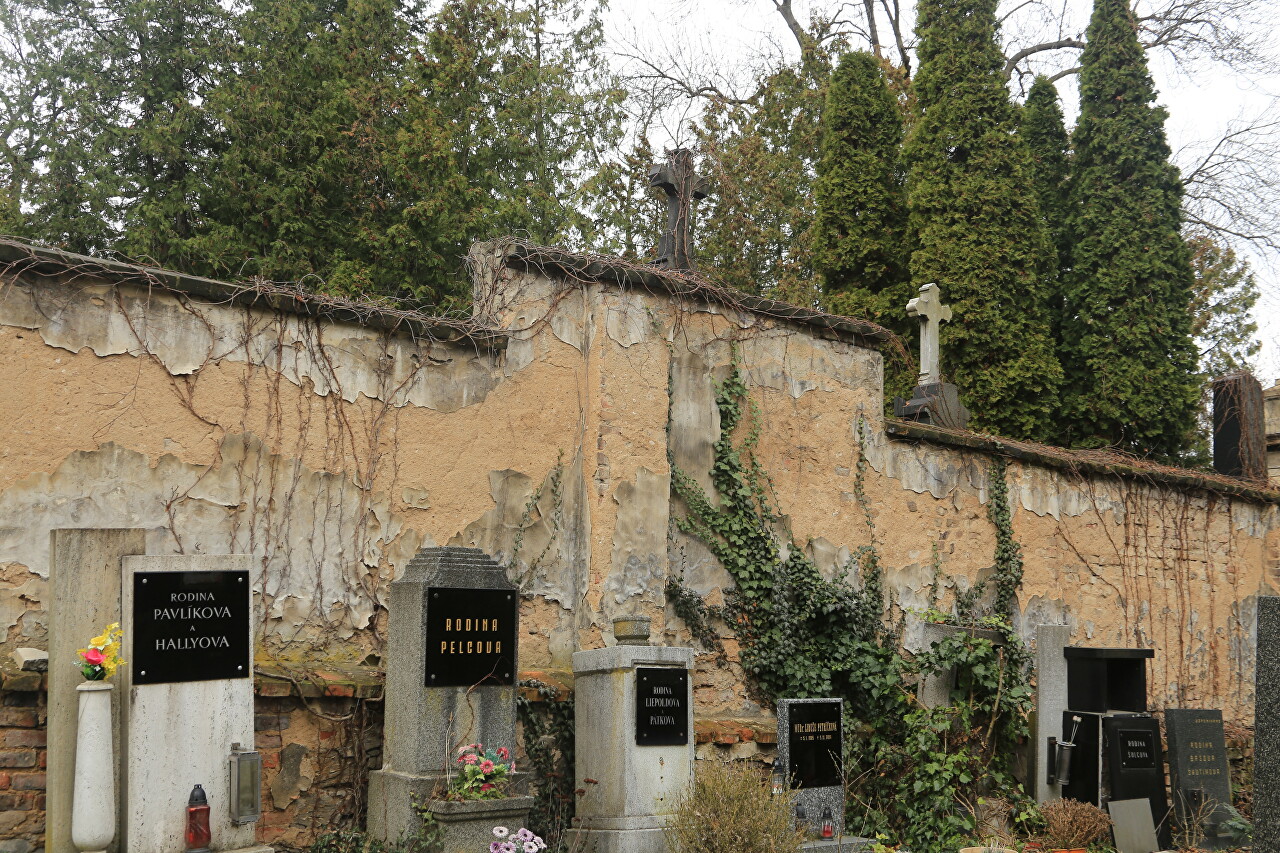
column 482, row 773
column 100, row 660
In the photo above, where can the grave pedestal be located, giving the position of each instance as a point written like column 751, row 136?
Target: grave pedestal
column 439, row 698
column 634, row 742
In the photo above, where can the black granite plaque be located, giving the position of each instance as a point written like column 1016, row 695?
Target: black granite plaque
column 815, row 744
column 471, row 637
column 1198, row 769
column 662, row 706
column 1137, row 749
column 190, row 626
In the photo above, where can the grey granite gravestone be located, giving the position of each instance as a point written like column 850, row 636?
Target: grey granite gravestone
column 811, row 754
column 1199, row 777
column 1266, row 729
column 451, row 681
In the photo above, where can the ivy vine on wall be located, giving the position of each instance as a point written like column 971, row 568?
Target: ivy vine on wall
column 914, row 772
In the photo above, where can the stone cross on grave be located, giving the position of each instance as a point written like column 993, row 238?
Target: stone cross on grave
column 683, row 186
column 929, row 308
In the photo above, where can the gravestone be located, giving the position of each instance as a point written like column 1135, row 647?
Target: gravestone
column 1239, row 427
column 452, row 635
column 1199, row 777
column 811, row 754
column 188, row 640
column 1266, row 729
column 633, row 736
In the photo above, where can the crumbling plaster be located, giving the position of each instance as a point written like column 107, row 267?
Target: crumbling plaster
column 332, row 451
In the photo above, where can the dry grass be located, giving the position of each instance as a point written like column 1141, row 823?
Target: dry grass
column 729, row 809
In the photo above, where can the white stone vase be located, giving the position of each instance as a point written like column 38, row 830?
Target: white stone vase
column 93, row 804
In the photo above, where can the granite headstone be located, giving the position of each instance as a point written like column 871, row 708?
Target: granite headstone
column 811, row 754
column 1266, row 730
column 1199, row 776
column 451, row 673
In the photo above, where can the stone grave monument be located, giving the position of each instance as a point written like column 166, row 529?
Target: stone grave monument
column 188, row 701
column 1199, row 777
column 451, row 681
column 1266, row 728
column 933, row 401
column 811, row 755
column 633, row 740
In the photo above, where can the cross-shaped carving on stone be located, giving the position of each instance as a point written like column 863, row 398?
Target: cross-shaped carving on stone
column 929, row 308
column 683, row 186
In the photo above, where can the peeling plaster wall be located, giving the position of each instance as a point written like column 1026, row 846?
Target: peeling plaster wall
column 333, row 451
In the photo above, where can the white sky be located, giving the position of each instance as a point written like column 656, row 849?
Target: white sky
column 1202, row 102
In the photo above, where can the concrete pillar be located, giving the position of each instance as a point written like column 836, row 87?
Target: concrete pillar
column 84, row 575
column 1051, row 702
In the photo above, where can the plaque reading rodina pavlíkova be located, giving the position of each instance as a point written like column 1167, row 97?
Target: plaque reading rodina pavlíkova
column 662, row 706
column 471, row 637
column 190, row 626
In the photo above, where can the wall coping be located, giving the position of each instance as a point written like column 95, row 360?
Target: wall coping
column 17, row 257
column 1084, row 461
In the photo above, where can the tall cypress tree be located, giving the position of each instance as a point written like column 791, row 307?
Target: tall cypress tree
column 976, row 230
column 1047, row 141
column 859, row 244
column 1126, row 348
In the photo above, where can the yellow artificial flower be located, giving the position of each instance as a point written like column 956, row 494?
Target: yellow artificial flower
column 100, row 642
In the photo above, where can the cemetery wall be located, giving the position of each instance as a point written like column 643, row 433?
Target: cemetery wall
column 333, row 440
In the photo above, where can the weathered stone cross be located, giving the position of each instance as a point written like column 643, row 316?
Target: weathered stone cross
column 929, row 308
column 683, row 186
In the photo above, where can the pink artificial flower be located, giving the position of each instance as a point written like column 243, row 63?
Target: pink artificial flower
column 503, row 753
column 486, row 766
column 487, row 786
column 92, row 656
column 470, row 758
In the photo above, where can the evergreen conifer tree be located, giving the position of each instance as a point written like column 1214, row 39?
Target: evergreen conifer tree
column 1126, row 332
column 1047, row 141
column 859, row 245
column 977, row 232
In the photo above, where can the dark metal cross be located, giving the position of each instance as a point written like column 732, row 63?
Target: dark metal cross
column 683, row 186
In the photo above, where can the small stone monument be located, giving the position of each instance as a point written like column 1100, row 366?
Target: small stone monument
column 451, row 681
column 188, row 640
column 683, row 186
column 933, row 401
column 811, row 755
column 1266, row 728
column 633, row 740
column 1199, row 776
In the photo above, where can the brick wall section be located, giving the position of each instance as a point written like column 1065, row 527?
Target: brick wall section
column 23, row 720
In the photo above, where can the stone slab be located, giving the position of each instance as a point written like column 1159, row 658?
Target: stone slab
column 1199, row 776
column 31, row 660
column 1051, row 702
column 197, row 720
column 597, row 840
column 1266, row 756
column 1134, row 830
column 84, row 572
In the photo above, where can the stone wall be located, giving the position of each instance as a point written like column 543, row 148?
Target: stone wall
column 331, row 441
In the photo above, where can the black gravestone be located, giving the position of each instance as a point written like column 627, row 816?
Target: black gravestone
column 1199, row 775
column 662, row 706
column 1135, row 764
column 471, row 637
column 190, row 626
column 815, row 744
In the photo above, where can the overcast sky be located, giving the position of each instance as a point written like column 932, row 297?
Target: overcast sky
column 1202, row 102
